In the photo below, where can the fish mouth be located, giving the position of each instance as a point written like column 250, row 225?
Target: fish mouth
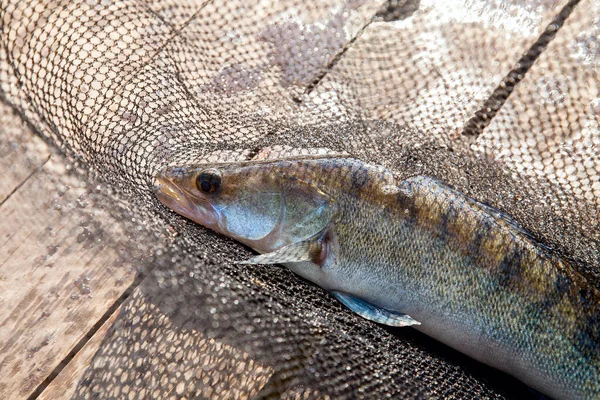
column 183, row 203
column 167, row 191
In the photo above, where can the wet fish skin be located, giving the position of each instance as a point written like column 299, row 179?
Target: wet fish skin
column 469, row 274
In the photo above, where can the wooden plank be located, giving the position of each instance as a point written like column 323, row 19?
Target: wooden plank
column 63, row 262
column 171, row 361
column 21, row 153
column 559, row 138
column 64, row 385
column 434, row 69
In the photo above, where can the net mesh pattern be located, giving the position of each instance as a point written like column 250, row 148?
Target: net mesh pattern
column 126, row 88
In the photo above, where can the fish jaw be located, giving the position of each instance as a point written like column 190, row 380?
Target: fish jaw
column 183, row 203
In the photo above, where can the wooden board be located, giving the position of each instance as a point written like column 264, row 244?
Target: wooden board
column 21, row 153
column 60, row 269
column 168, row 360
column 62, row 263
column 65, row 383
column 436, row 68
column 564, row 84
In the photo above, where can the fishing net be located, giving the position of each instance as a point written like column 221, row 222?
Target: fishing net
column 498, row 99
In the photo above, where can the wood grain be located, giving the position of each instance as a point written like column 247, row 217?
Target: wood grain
column 63, row 387
column 63, row 262
column 166, row 359
column 21, row 153
column 433, row 70
column 560, row 139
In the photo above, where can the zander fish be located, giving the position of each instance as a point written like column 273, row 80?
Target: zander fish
column 415, row 252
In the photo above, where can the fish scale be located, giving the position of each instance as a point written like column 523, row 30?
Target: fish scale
column 412, row 253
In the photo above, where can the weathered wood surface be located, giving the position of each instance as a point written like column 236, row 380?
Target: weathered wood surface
column 61, row 259
column 61, row 264
column 167, row 361
column 453, row 66
column 560, row 138
column 65, row 383
column 21, row 153
column 60, row 255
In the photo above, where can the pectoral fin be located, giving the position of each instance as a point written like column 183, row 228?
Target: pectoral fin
column 318, row 249
column 308, row 250
column 374, row 313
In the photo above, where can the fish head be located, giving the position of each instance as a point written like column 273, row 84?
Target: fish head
column 263, row 206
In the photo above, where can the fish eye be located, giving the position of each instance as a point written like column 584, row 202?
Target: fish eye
column 208, row 180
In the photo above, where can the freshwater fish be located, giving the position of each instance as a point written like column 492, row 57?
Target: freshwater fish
column 410, row 253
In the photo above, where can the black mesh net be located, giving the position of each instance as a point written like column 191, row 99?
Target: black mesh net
column 499, row 99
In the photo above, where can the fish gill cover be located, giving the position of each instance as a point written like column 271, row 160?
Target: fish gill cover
column 498, row 99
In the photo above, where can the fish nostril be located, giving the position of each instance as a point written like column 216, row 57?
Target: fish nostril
column 157, row 185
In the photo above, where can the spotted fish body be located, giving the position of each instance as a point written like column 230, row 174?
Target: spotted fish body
column 416, row 253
